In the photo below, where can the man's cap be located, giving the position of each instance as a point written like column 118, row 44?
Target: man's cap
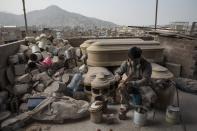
column 134, row 52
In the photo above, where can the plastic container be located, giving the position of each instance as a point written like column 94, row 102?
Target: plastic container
column 140, row 116
column 74, row 85
column 172, row 114
column 47, row 62
column 34, row 101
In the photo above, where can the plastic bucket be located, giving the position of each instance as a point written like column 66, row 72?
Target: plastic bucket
column 172, row 114
column 140, row 117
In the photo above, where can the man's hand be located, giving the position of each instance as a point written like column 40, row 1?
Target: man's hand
column 117, row 78
column 121, row 86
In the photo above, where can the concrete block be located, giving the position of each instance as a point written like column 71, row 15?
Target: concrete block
column 52, row 88
column 19, row 69
column 35, row 72
column 44, row 77
column 26, row 78
column 174, row 68
column 13, row 59
column 20, row 89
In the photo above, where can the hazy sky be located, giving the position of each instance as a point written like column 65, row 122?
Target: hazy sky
column 123, row 12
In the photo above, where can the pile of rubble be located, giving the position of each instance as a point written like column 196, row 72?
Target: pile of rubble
column 43, row 67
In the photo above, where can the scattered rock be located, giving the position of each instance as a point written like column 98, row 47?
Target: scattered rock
column 26, row 78
column 19, row 69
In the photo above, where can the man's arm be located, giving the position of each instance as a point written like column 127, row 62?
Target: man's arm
column 120, row 71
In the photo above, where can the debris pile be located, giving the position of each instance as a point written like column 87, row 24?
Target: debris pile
column 44, row 67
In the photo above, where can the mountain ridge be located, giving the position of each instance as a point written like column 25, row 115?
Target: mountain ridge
column 53, row 16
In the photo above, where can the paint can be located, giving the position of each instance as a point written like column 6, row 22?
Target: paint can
column 35, row 49
column 31, row 64
column 78, row 52
column 140, row 116
column 36, row 57
column 42, row 45
column 96, row 113
column 172, row 114
column 69, row 53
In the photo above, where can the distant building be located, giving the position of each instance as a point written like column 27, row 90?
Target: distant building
column 9, row 34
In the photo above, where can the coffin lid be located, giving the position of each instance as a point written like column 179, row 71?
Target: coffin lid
column 112, row 46
column 93, row 41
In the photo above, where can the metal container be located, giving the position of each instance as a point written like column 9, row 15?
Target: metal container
column 42, row 45
column 36, row 57
column 140, row 116
column 31, row 64
column 96, row 113
column 68, row 54
column 35, row 49
column 172, row 114
column 78, row 52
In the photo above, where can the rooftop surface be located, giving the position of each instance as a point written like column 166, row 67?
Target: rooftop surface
column 188, row 105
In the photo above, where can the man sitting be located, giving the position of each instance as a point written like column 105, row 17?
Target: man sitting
column 138, row 71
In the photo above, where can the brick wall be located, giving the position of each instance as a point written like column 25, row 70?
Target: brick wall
column 181, row 51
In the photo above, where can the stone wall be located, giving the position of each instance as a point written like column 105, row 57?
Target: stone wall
column 5, row 51
column 181, row 51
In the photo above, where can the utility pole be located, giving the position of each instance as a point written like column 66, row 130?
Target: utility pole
column 156, row 14
column 25, row 17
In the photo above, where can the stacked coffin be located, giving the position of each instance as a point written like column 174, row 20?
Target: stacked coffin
column 112, row 52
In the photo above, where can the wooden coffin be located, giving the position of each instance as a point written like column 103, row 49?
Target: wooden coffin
column 113, row 53
column 87, row 43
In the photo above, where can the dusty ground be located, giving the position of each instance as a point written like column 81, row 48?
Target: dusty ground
column 188, row 105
